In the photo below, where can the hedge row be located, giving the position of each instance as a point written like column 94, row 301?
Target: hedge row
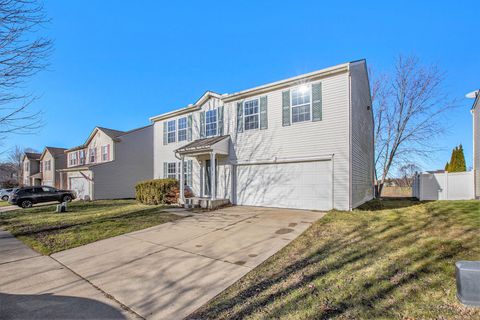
column 158, row 191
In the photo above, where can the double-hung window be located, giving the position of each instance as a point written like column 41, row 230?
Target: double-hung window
column 171, row 170
column 73, row 159
column 48, row 165
column 82, row 156
column 27, row 167
column 93, row 154
column 301, row 104
column 105, row 152
column 182, row 129
column 211, row 123
column 251, row 114
column 171, row 128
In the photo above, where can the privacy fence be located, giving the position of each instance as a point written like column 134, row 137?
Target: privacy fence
column 444, row 186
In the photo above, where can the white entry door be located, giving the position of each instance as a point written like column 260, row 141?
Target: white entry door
column 298, row 185
column 81, row 186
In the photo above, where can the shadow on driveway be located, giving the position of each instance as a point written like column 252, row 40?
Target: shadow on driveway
column 48, row 306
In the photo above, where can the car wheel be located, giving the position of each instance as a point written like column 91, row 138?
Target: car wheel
column 26, row 204
column 5, row 198
column 66, row 198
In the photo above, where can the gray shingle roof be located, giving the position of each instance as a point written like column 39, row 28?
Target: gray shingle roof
column 201, row 144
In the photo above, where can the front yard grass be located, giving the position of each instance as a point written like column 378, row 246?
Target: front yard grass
column 390, row 263
column 48, row 232
column 4, row 203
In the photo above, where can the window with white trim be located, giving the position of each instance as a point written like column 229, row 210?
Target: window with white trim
column 48, row 165
column 171, row 170
column 182, row 129
column 93, row 154
column 105, row 153
column 27, row 166
column 211, row 123
column 171, row 128
column 251, row 114
column 82, row 156
column 73, row 158
column 301, row 104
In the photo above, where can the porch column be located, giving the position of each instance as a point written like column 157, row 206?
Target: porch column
column 182, row 178
column 213, row 180
column 202, row 178
column 61, row 180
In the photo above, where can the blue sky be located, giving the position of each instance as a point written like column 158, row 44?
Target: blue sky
column 117, row 63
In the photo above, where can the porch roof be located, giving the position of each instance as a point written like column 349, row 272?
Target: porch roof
column 37, row 175
column 217, row 144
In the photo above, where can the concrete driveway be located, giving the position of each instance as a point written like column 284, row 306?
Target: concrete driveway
column 168, row 271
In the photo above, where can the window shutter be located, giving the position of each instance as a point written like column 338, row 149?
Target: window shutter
column 317, row 101
column 165, row 133
column 286, row 108
column 190, row 172
column 108, row 152
column 263, row 113
column 165, row 170
column 189, row 127
column 202, row 124
column 239, row 116
column 220, row 120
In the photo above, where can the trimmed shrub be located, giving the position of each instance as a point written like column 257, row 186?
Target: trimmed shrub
column 157, row 191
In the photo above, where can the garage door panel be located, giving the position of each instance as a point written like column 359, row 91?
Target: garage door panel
column 81, row 186
column 302, row 185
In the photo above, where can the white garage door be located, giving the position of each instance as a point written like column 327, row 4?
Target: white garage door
column 300, row 185
column 81, row 186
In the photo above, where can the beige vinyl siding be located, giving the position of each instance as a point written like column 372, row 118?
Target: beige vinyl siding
column 48, row 176
column 362, row 136
column 133, row 163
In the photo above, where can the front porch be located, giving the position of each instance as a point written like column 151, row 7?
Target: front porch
column 207, row 152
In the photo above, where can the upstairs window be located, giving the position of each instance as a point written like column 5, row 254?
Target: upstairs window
column 81, row 154
column 93, row 154
column 182, row 129
column 27, row 167
column 105, row 153
column 48, row 165
column 251, row 114
column 171, row 128
column 73, row 159
column 211, row 123
column 301, row 104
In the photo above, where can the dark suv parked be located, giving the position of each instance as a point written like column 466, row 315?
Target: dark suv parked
column 27, row 196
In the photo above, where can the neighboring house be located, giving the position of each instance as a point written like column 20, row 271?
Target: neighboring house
column 305, row 142
column 476, row 142
column 31, row 169
column 52, row 160
column 110, row 163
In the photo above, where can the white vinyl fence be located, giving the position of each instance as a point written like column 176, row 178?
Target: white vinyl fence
column 444, row 186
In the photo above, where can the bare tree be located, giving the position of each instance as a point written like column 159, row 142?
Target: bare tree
column 407, row 109
column 22, row 55
column 407, row 172
column 15, row 159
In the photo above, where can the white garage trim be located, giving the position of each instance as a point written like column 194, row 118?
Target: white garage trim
column 243, row 197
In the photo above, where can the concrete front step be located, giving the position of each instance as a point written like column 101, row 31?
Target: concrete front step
column 205, row 203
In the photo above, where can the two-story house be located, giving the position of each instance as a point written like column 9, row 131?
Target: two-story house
column 476, row 142
column 305, row 142
column 110, row 163
column 31, row 169
column 51, row 160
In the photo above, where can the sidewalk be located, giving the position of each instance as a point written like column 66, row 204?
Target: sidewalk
column 33, row 286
